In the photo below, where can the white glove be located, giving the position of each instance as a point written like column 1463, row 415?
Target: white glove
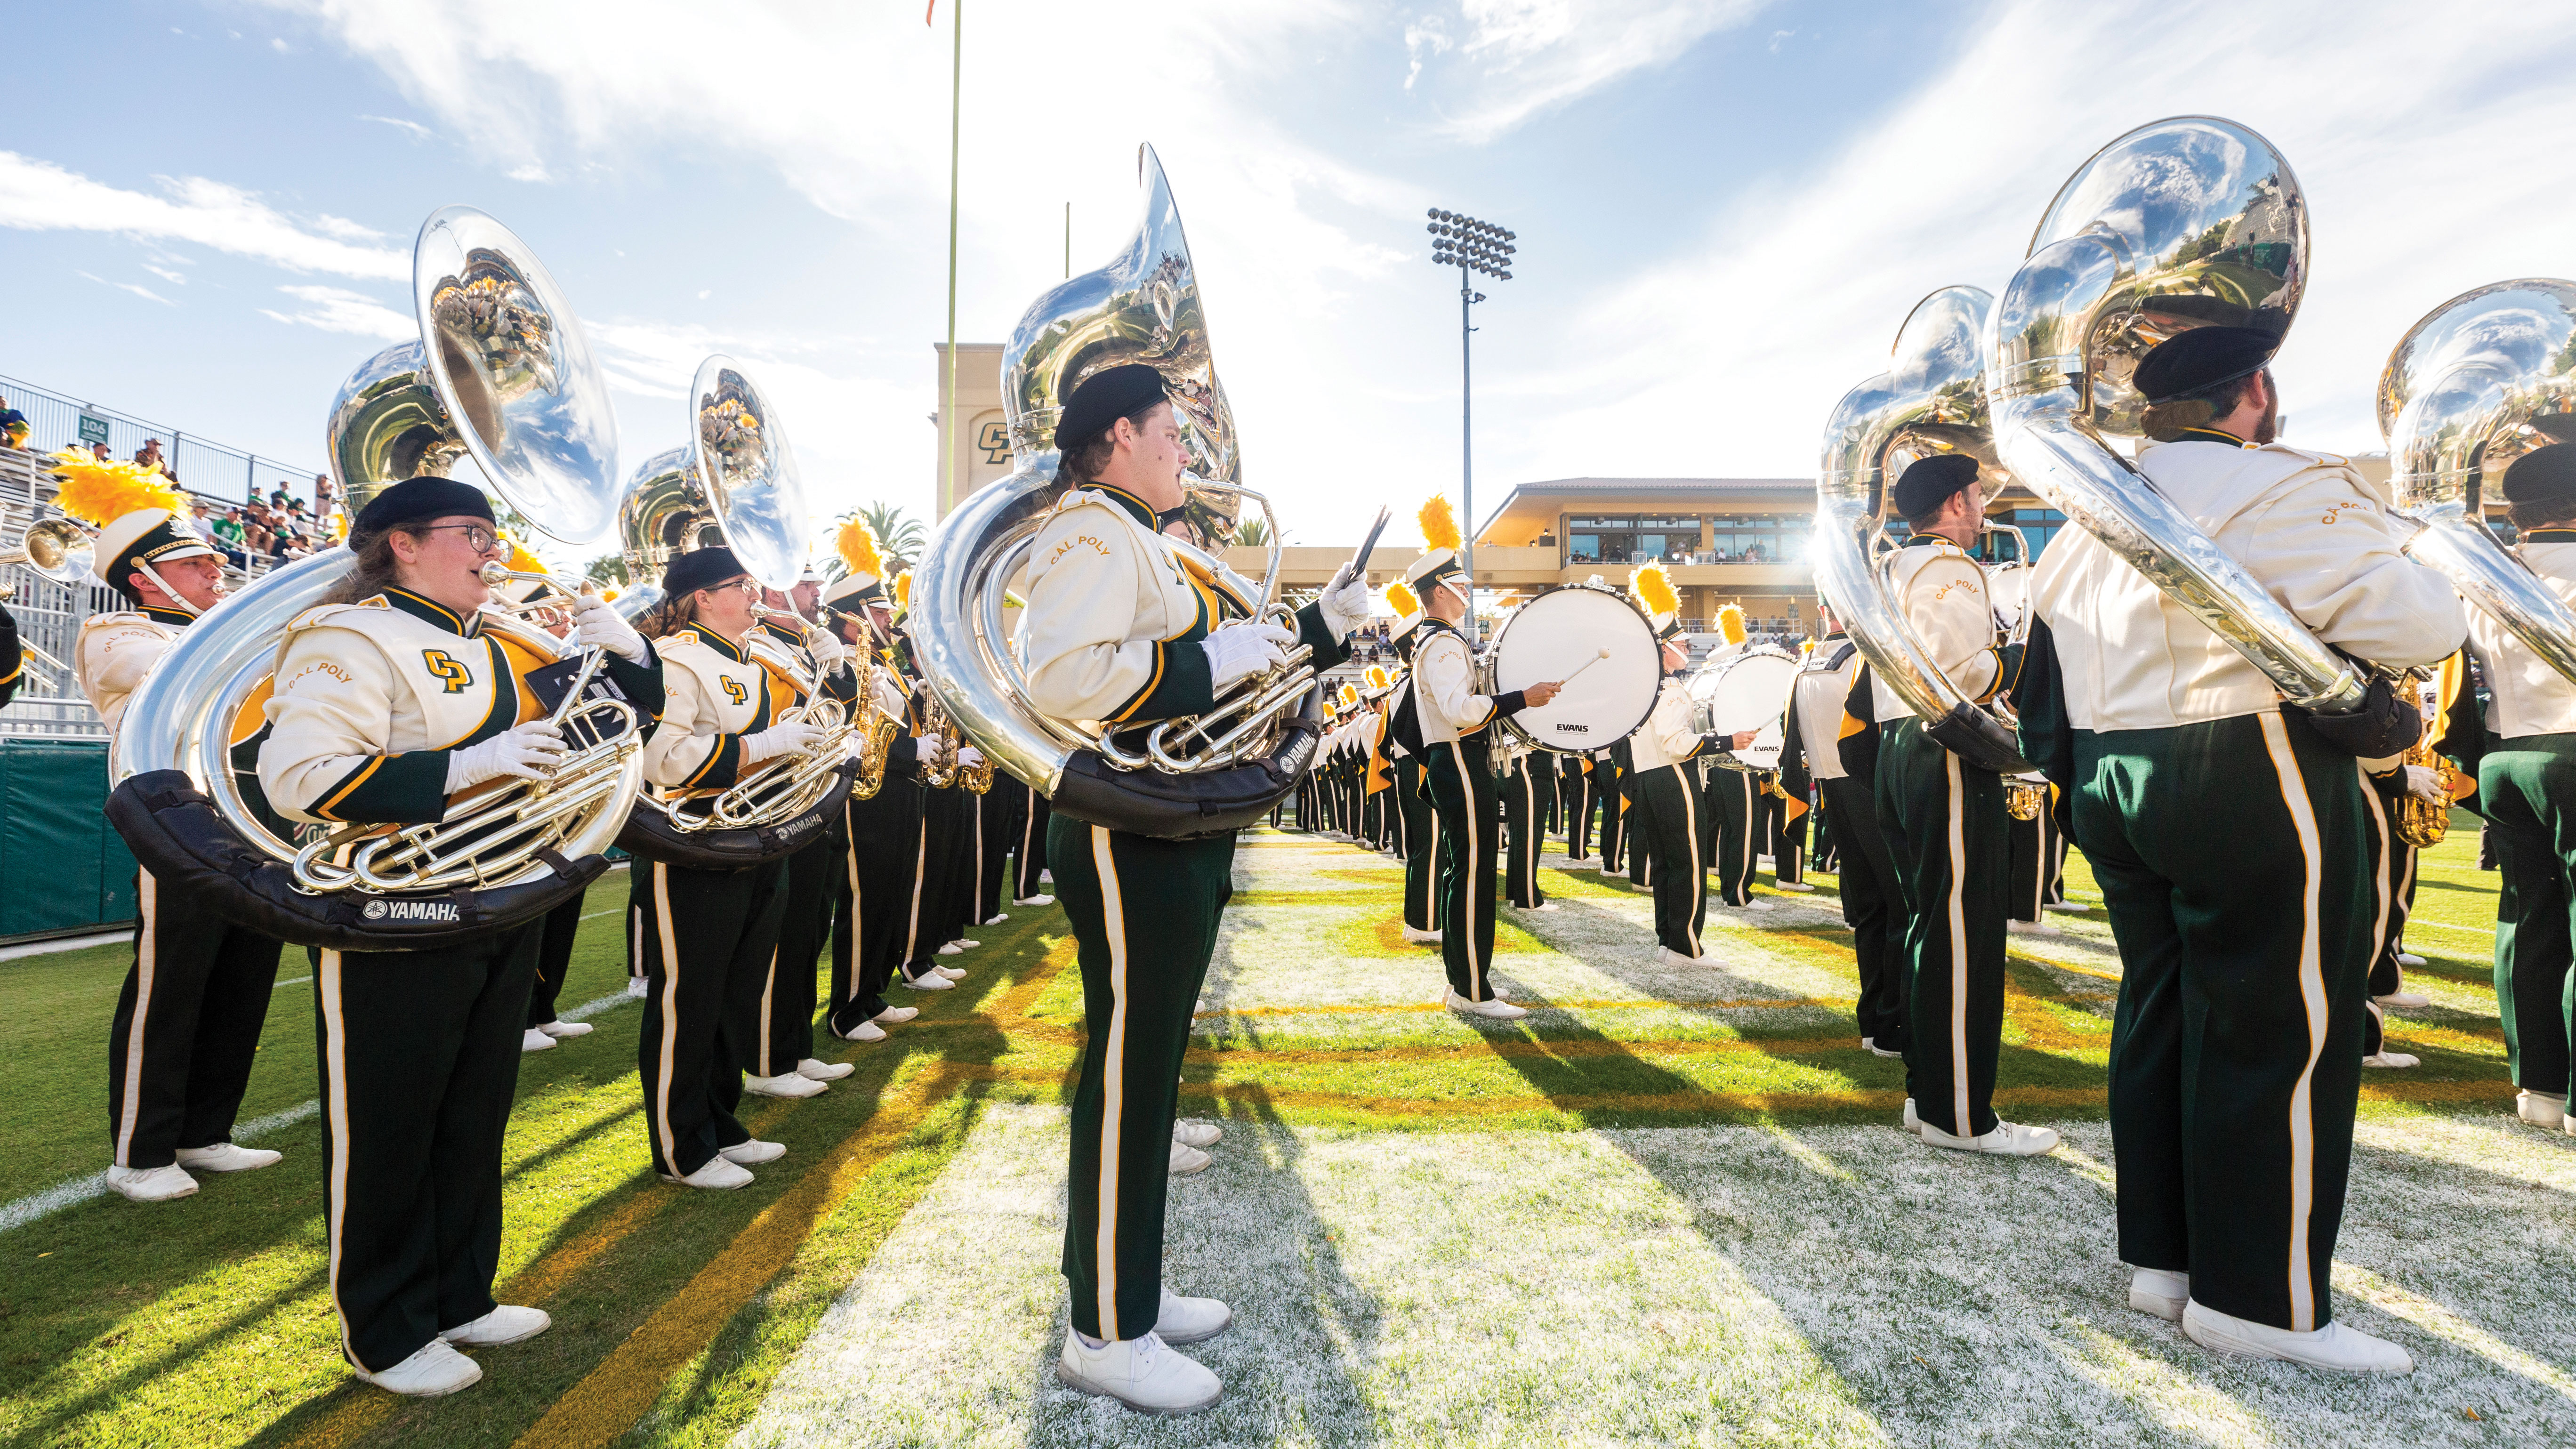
column 529, row 751
column 1345, row 603
column 827, row 649
column 969, row 755
column 786, row 739
column 597, row 625
column 1240, row 651
column 2425, row 783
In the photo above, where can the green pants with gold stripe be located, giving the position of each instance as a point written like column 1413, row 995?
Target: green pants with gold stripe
column 2528, row 788
column 2234, row 861
column 1945, row 826
column 1144, row 914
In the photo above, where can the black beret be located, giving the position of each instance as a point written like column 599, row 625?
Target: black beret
column 2202, row 357
column 700, row 569
column 1929, row 482
column 2542, row 475
column 418, row 500
column 1105, row 397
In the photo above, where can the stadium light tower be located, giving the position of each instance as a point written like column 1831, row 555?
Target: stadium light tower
column 1471, row 246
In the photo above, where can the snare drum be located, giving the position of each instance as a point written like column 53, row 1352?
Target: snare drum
column 1599, row 645
column 1748, row 690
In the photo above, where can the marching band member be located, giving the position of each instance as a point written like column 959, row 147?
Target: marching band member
column 928, row 927
column 2235, row 1055
column 2527, row 790
column 2036, row 849
column 1729, row 814
column 1944, row 823
column 871, row 899
column 1665, row 785
column 1450, row 713
column 1425, row 863
column 419, row 1049
column 710, row 937
column 1609, row 771
column 562, row 925
column 1120, row 631
column 1814, row 735
column 782, row 1062
column 189, row 1016
column 13, row 658
column 1528, row 788
column 1574, row 788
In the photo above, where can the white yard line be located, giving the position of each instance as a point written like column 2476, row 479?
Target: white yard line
column 39, row 1205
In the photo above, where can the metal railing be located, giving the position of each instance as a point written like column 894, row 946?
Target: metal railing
column 198, row 464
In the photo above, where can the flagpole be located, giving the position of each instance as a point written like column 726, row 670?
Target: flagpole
column 948, row 410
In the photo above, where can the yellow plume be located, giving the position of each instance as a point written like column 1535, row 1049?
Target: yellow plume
column 1350, row 696
column 1730, row 622
column 1439, row 524
column 610, row 593
column 99, row 493
column 856, row 543
column 903, row 589
column 1652, row 587
column 522, row 561
column 1376, row 676
column 1401, row 599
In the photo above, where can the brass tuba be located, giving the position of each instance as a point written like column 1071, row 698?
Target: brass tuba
column 734, row 482
column 502, row 375
column 2483, row 379
column 1930, row 400
column 2183, row 223
column 1185, row 777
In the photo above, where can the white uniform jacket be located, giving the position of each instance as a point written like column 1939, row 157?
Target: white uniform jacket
column 1666, row 738
column 717, row 693
column 370, row 697
column 1445, row 701
column 2524, row 695
column 2309, row 529
column 1817, row 694
column 1942, row 593
column 115, row 651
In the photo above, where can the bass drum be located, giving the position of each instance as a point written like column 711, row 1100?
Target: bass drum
column 1745, row 691
column 1599, row 645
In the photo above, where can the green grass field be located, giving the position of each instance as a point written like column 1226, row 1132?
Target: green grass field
column 1667, row 1207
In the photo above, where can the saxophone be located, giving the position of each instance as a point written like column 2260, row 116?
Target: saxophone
column 2422, row 823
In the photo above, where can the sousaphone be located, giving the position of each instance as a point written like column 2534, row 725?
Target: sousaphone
column 504, row 376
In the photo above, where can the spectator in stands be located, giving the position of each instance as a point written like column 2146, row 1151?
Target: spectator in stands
column 225, row 531
column 322, row 495
column 99, row 451
column 149, row 455
column 13, row 426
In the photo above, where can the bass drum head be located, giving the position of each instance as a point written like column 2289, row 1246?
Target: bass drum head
column 1745, row 692
column 1556, row 634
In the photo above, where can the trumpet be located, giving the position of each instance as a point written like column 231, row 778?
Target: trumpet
column 59, row 549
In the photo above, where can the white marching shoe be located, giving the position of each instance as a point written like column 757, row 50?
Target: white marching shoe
column 2347, row 1350
column 2386, row 1058
column 1908, row 1120
column 1046, row 877
column 1758, row 904
column 1190, row 1320
column 1791, row 885
column 822, row 1071
column 2009, row 1139
column 1141, row 1373
column 1496, row 1009
column 1413, row 937
column 227, row 1157
column 2032, row 928
column 507, row 1323
column 716, row 1173
column 2540, row 1109
column 2159, row 1291
column 533, row 1040
column 785, row 1084
column 436, row 1369
column 895, row 1015
column 751, row 1152
column 1034, row 901
column 1541, row 906
column 151, row 1184
column 1667, row 956
column 561, row 1029
column 637, row 986
column 930, row 980
column 2072, row 908
column 1876, row 1050
column 997, row 918
column 1187, row 1159
column 952, row 949
column 2404, row 1000
column 1195, row 1134
column 968, row 942
column 865, row 1031
column 2409, row 960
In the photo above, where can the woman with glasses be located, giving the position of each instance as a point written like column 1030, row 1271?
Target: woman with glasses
column 708, row 936
column 389, row 701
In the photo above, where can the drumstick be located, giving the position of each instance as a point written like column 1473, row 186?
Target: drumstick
column 1578, row 669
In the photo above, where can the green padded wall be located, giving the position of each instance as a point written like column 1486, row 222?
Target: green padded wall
column 61, row 867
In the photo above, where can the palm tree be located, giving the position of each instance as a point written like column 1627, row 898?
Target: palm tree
column 899, row 535
column 1254, row 532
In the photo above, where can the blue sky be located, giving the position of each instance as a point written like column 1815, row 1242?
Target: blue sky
column 1724, row 209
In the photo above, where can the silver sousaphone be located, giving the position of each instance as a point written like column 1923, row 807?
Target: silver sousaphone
column 504, row 376
column 1184, row 777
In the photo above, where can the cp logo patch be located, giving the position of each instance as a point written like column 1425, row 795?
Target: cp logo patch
column 734, row 691
column 453, row 671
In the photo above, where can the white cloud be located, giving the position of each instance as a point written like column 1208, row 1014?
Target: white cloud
column 334, row 309
column 413, row 129
column 1424, row 37
column 146, row 293
column 532, row 171
column 1535, row 55
column 167, row 275
column 41, row 196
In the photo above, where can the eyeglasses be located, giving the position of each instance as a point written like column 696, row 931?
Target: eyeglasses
column 477, row 537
